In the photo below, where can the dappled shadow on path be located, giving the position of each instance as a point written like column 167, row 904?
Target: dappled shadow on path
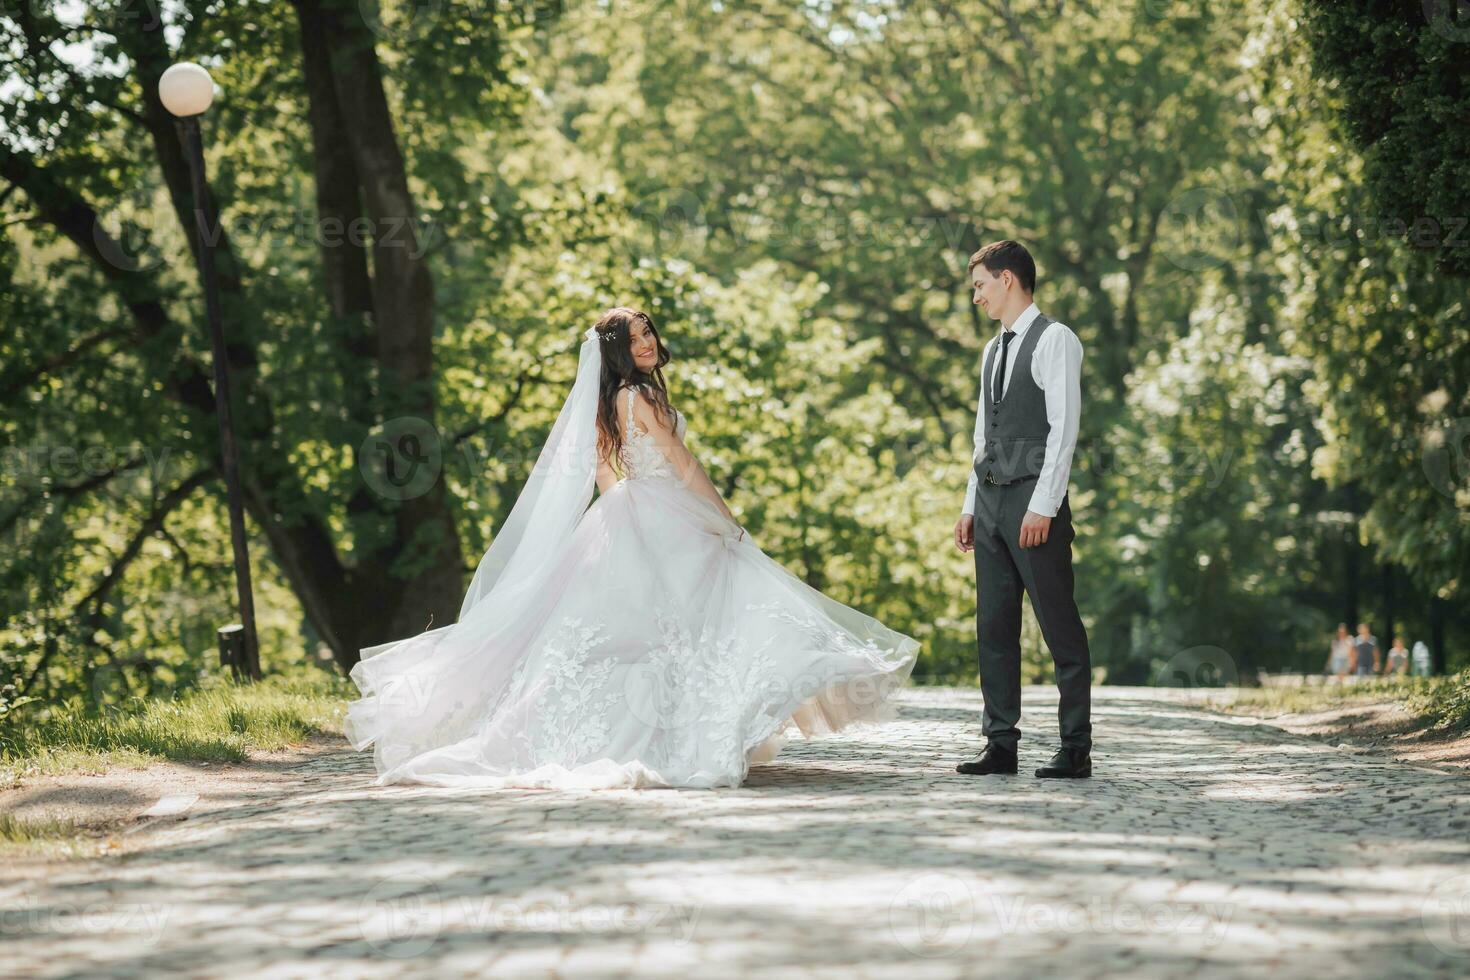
column 1201, row 845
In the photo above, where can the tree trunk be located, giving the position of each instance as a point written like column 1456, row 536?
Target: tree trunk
column 1437, row 653
column 354, row 110
column 305, row 551
column 1389, row 608
column 386, row 323
column 1354, row 553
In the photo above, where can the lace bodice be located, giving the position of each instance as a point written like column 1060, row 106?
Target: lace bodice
column 640, row 455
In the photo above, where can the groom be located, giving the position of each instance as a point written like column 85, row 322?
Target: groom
column 1016, row 517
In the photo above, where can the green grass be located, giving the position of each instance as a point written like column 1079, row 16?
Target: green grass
column 1443, row 702
column 216, row 724
column 34, row 830
column 1293, row 699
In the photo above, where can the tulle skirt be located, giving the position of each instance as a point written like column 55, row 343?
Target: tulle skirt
column 655, row 649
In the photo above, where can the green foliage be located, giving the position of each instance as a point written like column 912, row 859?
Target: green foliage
column 1211, row 473
column 1399, row 70
column 1384, row 332
column 10, row 701
column 1446, row 700
column 1275, row 387
column 100, row 600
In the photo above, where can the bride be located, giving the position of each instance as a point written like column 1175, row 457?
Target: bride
column 645, row 641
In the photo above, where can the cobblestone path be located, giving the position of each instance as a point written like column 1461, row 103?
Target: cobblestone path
column 1204, row 846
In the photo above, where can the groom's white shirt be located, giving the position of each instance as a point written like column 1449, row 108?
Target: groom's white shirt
column 1056, row 367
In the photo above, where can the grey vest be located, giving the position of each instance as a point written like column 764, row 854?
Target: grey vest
column 1016, row 429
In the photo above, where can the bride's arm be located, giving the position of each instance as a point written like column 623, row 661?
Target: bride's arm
column 606, row 478
column 691, row 474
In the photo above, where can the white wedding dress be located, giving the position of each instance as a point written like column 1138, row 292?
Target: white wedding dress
column 656, row 650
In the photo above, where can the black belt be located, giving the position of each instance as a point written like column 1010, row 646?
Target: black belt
column 990, row 479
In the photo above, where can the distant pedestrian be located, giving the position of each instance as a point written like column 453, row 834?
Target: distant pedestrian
column 1421, row 665
column 1365, row 650
column 1339, row 657
column 1398, row 658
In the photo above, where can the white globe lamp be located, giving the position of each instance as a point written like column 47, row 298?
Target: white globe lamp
column 186, row 89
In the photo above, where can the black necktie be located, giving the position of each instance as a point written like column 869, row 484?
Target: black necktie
column 1000, row 378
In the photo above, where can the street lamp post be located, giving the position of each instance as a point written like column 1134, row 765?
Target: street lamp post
column 186, row 90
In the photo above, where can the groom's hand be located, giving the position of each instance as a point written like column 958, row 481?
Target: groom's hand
column 1034, row 529
column 964, row 532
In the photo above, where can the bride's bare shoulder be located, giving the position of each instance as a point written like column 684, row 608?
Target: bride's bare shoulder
column 638, row 403
column 622, row 404
column 646, row 412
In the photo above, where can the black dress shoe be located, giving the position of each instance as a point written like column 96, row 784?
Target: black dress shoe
column 1068, row 763
column 995, row 759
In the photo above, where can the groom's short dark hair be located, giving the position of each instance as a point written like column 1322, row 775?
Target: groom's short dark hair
column 1000, row 256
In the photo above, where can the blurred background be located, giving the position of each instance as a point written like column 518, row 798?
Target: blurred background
column 1253, row 213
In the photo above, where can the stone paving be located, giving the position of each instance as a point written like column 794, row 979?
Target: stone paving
column 1204, row 846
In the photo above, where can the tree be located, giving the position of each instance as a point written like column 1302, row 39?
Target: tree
column 1401, row 82
column 1379, row 316
column 365, row 565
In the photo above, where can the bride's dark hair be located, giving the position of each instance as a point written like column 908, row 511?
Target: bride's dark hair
column 614, row 329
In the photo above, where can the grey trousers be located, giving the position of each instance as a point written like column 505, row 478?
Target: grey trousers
column 1002, row 569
